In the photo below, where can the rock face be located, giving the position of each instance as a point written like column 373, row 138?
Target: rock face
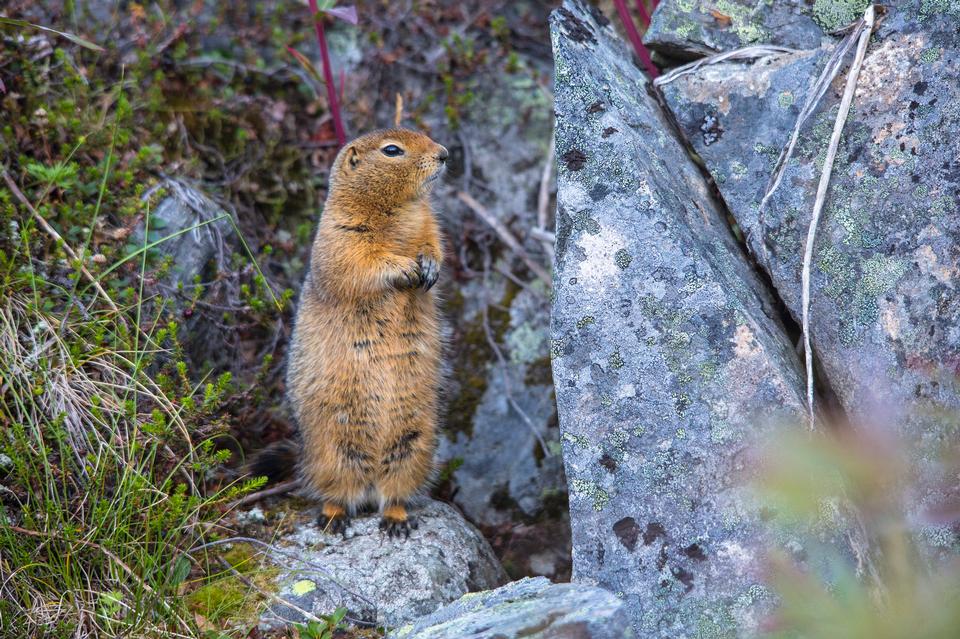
column 527, row 608
column 694, row 28
column 668, row 358
column 382, row 580
column 885, row 306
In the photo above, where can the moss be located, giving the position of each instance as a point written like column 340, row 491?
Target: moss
column 227, row 598
column 836, row 14
column 472, row 356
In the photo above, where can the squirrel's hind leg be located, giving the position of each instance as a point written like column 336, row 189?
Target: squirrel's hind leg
column 396, row 522
column 333, row 519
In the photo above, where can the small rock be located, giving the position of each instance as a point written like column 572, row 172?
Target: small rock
column 531, row 607
column 210, row 237
column 386, row 581
column 688, row 29
column 253, row 516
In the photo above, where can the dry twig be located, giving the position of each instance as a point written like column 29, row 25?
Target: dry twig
column 505, row 235
column 543, row 202
column 279, row 489
column 864, row 29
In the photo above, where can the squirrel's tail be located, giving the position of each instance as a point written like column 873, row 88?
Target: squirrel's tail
column 276, row 462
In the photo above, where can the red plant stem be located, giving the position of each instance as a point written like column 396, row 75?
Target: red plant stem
column 328, row 75
column 644, row 15
column 634, row 36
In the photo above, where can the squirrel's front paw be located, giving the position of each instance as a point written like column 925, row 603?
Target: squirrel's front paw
column 429, row 271
column 408, row 277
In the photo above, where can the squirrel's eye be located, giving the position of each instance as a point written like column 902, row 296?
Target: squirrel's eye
column 391, row 150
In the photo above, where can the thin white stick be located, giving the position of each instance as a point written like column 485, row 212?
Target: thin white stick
column 849, row 90
column 746, row 53
column 830, row 71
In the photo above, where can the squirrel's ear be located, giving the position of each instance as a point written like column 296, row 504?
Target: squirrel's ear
column 352, row 157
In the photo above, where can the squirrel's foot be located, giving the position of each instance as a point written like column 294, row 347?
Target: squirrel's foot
column 333, row 520
column 429, row 271
column 396, row 522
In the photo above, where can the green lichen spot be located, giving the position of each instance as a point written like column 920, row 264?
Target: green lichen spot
column 681, row 402
column 738, row 170
column 592, row 491
column 583, row 222
column 930, row 55
column 585, row 321
column 303, row 587
column 743, row 21
column 881, row 273
column 623, row 258
column 835, row 14
column 615, row 360
column 708, row 370
column 785, row 99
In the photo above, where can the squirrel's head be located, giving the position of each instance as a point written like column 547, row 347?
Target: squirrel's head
column 388, row 167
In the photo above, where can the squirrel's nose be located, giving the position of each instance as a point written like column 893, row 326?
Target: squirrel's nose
column 444, row 154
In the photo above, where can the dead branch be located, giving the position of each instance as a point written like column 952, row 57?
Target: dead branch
column 505, row 235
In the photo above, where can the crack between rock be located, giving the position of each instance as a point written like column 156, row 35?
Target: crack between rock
column 826, row 397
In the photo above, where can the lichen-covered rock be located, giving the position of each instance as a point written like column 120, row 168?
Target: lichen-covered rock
column 668, row 359
column 378, row 579
column 695, row 28
column 529, row 608
column 193, row 230
column 885, row 278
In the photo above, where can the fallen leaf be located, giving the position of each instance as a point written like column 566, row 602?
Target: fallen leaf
column 722, row 18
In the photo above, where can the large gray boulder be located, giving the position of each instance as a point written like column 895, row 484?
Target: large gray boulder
column 669, row 359
column 529, row 608
column 885, row 306
column 695, row 28
column 379, row 579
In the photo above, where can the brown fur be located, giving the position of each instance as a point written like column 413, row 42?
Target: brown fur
column 364, row 367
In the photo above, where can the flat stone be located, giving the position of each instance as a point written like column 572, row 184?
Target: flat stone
column 378, row 579
column 689, row 29
column 530, row 608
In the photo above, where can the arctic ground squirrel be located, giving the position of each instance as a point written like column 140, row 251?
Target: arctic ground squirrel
column 364, row 365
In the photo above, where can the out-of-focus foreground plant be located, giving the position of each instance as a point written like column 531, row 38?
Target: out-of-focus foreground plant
column 911, row 589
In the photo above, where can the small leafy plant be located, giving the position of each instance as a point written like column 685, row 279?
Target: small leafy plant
column 323, row 629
